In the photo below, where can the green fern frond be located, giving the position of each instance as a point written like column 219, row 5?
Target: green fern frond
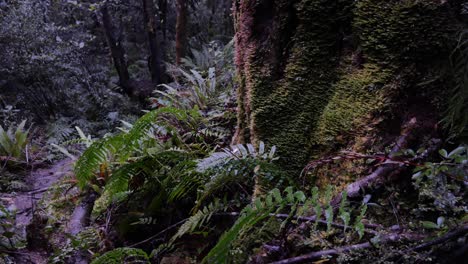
column 125, row 144
column 186, row 180
column 123, row 255
column 118, row 181
column 14, row 140
column 200, row 218
column 97, row 154
column 237, row 152
column 249, row 217
column 275, row 202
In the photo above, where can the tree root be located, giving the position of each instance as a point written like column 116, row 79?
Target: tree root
column 392, row 168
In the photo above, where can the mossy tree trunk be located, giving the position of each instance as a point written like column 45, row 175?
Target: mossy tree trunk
column 286, row 56
column 312, row 71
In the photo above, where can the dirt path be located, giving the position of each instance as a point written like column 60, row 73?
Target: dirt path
column 39, row 181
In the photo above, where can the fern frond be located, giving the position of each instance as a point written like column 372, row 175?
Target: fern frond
column 97, row 154
column 122, row 255
column 118, row 181
column 215, row 159
column 237, row 152
column 249, row 217
column 200, row 218
column 125, row 144
column 456, row 116
column 270, row 206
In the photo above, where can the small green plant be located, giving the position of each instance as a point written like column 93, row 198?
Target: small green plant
column 9, row 235
column 441, row 188
column 13, row 141
column 84, row 140
column 288, row 205
column 199, row 91
column 88, row 240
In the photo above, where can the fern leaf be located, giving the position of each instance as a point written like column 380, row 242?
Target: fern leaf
column 121, row 255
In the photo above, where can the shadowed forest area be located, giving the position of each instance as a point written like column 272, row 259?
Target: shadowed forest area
column 233, row 131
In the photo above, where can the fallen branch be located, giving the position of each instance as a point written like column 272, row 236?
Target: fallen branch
column 390, row 167
column 448, row 236
column 334, row 252
column 383, row 240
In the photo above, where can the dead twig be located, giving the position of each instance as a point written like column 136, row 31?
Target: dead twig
column 158, row 234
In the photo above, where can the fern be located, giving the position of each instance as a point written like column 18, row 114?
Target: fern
column 98, row 153
column 14, row 140
column 200, row 218
column 272, row 204
column 344, row 215
column 123, row 255
column 456, row 118
column 200, row 91
column 125, row 144
column 237, row 166
column 250, row 216
column 358, row 225
column 239, row 152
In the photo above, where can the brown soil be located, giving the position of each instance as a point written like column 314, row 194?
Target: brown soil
column 25, row 202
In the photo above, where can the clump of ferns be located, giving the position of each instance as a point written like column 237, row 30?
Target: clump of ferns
column 147, row 152
column 288, row 207
column 153, row 130
column 238, row 170
column 158, row 154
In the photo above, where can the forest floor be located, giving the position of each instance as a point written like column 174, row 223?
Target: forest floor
column 26, row 204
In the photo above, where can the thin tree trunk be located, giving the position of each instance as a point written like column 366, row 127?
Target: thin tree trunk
column 154, row 62
column 163, row 8
column 117, row 51
column 181, row 30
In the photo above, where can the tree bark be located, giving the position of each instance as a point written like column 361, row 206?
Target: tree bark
column 286, row 62
column 162, row 4
column 154, row 60
column 181, row 30
column 298, row 86
column 117, row 51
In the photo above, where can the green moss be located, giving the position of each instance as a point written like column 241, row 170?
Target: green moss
column 291, row 94
column 284, row 112
column 393, row 32
column 356, row 96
